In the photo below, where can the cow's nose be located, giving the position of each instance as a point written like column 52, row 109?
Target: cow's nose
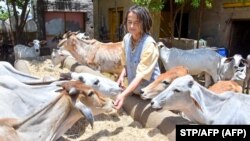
column 141, row 91
column 151, row 103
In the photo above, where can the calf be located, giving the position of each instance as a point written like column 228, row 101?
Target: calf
column 224, row 86
column 24, row 52
column 105, row 57
column 203, row 106
column 66, row 60
column 22, row 65
column 233, row 68
column 162, row 82
column 91, row 98
column 104, row 85
column 195, row 60
column 58, row 56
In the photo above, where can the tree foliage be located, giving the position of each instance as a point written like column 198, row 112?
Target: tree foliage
column 18, row 9
column 4, row 15
column 153, row 5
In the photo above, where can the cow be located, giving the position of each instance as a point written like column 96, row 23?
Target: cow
column 195, row 60
column 25, row 52
column 96, row 101
column 105, row 57
column 224, row 86
column 104, row 85
column 201, row 105
column 7, row 69
column 58, row 56
column 22, row 65
column 80, row 35
column 233, row 68
column 162, row 82
column 39, row 113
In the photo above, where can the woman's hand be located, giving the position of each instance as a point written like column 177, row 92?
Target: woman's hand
column 119, row 101
column 120, row 82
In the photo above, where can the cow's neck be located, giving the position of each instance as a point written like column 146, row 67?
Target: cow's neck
column 195, row 114
column 208, row 105
column 45, row 114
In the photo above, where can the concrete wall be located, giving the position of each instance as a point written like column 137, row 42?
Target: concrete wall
column 101, row 8
column 83, row 6
column 216, row 23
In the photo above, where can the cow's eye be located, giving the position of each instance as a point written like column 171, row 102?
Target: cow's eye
column 81, row 79
column 176, row 91
column 166, row 83
column 97, row 82
column 90, row 93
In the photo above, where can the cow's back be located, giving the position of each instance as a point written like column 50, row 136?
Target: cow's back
column 196, row 60
column 108, row 56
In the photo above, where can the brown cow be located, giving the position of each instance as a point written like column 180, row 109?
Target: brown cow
column 223, row 86
column 44, row 112
column 105, row 57
column 162, row 82
column 97, row 102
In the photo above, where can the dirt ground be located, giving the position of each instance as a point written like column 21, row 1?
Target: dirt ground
column 120, row 127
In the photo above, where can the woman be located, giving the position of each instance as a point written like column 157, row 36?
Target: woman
column 141, row 53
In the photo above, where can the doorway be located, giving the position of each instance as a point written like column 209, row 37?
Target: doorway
column 239, row 38
column 115, row 24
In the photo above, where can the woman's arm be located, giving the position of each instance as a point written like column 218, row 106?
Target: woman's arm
column 131, row 87
column 120, row 80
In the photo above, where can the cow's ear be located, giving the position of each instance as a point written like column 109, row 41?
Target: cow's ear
column 31, row 44
column 68, row 34
column 66, row 76
column 43, row 42
column 229, row 59
column 74, row 42
column 61, row 43
column 195, row 95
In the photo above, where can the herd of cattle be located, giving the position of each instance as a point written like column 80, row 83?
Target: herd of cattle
column 35, row 108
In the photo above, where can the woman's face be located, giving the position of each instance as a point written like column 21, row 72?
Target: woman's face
column 133, row 24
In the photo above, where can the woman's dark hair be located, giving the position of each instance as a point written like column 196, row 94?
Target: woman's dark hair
column 143, row 16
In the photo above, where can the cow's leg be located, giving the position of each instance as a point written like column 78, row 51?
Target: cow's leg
column 248, row 83
column 207, row 80
column 244, row 85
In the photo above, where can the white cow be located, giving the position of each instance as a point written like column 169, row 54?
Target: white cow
column 233, row 68
column 203, row 106
column 58, row 56
column 25, row 52
column 22, row 65
column 38, row 113
column 7, row 69
column 195, row 60
column 104, row 85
